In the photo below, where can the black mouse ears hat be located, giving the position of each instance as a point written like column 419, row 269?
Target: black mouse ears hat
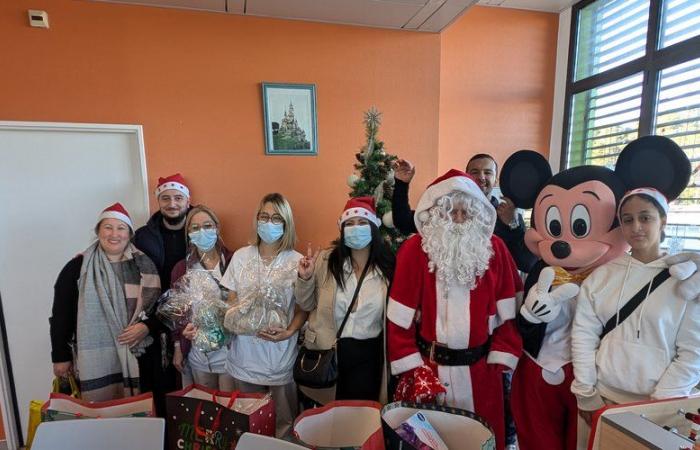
column 523, row 176
column 656, row 162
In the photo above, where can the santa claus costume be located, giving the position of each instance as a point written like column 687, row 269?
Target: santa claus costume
column 453, row 302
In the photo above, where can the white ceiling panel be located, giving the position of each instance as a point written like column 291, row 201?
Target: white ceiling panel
column 446, row 14
column 206, row 5
column 391, row 14
column 424, row 14
column 535, row 5
column 235, row 6
column 419, row 15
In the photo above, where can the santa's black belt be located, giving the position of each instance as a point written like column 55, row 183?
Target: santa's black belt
column 442, row 355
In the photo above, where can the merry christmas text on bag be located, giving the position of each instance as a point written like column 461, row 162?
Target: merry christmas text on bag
column 198, row 417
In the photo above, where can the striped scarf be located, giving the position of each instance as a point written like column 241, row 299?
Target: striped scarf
column 112, row 296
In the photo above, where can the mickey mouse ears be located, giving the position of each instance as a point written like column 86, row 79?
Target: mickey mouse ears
column 656, row 162
column 523, row 176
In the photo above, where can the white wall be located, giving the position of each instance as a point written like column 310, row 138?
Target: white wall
column 560, row 89
column 54, row 182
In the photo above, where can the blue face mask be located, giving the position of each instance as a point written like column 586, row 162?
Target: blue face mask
column 270, row 232
column 204, row 240
column 357, row 236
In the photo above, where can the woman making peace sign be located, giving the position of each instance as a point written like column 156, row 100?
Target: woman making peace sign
column 325, row 288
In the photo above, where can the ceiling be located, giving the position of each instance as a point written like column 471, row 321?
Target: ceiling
column 419, row 15
column 535, row 5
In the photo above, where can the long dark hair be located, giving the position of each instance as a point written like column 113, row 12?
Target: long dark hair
column 380, row 256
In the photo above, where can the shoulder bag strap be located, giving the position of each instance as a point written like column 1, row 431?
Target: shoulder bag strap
column 352, row 302
column 634, row 302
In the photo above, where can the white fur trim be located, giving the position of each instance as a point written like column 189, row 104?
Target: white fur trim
column 506, row 308
column 363, row 213
column 406, row 363
column 172, row 185
column 461, row 184
column 505, row 311
column 507, row 359
column 400, row 314
column 494, row 322
column 458, row 382
column 116, row 215
column 453, row 321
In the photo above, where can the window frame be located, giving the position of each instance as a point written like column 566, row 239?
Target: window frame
column 650, row 65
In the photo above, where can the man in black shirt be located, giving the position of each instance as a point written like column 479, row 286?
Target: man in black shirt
column 163, row 237
column 510, row 225
column 163, row 240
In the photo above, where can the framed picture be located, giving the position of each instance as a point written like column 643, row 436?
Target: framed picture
column 290, row 119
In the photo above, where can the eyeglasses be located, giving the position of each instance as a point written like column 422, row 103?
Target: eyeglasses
column 275, row 219
column 205, row 226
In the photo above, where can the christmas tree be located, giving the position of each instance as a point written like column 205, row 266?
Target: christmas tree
column 374, row 177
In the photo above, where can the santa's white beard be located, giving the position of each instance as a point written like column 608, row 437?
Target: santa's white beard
column 458, row 253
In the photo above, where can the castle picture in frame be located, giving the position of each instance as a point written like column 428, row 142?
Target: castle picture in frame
column 290, row 119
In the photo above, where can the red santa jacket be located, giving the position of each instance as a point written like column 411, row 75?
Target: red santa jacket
column 492, row 307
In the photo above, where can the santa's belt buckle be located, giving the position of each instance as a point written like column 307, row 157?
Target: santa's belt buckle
column 431, row 357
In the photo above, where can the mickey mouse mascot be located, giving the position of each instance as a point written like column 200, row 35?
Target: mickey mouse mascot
column 574, row 230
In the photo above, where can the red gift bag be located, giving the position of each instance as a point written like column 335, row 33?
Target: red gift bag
column 341, row 424
column 65, row 407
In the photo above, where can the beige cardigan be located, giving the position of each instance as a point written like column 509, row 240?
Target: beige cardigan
column 317, row 296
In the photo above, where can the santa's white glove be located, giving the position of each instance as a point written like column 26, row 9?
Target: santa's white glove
column 684, row 267
column 542, row 305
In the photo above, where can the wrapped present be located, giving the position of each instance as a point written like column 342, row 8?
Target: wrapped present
column 417, row 431
column 258, row 309
column 457, row 428
column 197, row 299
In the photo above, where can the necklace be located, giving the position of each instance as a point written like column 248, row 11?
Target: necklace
column 268, row 262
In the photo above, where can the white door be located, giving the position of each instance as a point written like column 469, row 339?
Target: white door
column 55, row 179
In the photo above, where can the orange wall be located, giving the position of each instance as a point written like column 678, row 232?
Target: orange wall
column 192, row 79
column 496, row 84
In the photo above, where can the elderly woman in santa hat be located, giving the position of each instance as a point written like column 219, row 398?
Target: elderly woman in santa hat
column 99, row 328
column 345, row 290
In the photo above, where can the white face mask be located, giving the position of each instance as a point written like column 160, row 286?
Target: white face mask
column 270, row 232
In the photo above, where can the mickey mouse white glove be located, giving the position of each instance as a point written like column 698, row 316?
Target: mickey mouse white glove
column 544, row 306
column 684, row 267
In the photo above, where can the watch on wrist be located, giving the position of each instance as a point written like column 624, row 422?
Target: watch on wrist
column 514, row 224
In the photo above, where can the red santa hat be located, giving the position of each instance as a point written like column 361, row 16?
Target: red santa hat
column 116, row 211
column 176, row 182
column 453, row 180
column 360, row 207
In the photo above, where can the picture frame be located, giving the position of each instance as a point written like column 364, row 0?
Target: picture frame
column 289, row 112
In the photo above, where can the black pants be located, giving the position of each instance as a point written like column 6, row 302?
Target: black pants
column 510, row 424
column 360, row 365
column 154, row 377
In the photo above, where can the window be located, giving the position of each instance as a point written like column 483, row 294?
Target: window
column 634, row 70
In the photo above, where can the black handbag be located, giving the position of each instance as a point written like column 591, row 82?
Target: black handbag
column 318, row 369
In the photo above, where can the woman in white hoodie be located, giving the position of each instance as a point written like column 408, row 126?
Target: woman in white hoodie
column 654, row 351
